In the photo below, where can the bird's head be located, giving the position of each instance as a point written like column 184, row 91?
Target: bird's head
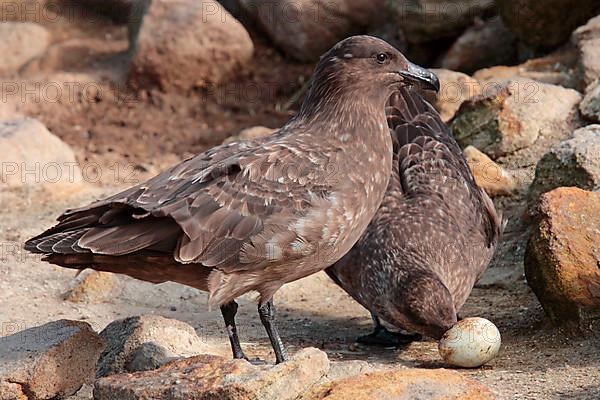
column 367, row 61
column 424, row 305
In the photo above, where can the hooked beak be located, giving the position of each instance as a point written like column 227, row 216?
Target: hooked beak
column 421, row 77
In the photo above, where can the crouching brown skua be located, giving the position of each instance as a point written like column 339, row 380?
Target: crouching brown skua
column 432, row 237
column 254, row 215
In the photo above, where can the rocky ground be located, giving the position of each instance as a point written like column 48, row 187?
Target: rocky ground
column 525, row 128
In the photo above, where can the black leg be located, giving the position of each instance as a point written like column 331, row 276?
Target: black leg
column 266, row 312
column 384, row 338
column 229, row 310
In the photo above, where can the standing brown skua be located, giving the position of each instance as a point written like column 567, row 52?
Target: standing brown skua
column 254, row 215
column 432, row 237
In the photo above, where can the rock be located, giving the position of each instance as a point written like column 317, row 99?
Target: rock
column 304, row 29
column 557, row 68
column 455, row 88
column 428, row 20
column 587, row 40
column 20, row 42
column 213, row 377
column 31, row 155
column 124, row 337
column 562, row 261
column 91, row 286
column 149, row 356
column 545, row 24
column 413, row 383
column 490, row 176
column 250, row 133
column 590, row 105
column 182, row 44
column 573, row 162
column 483, row 44
column 518, row 114
column 345, row 369
column 49, row 361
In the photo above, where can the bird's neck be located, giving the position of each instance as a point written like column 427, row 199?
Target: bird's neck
column 347, row 115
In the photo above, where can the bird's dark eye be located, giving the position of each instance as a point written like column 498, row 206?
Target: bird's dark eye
column 381, row 58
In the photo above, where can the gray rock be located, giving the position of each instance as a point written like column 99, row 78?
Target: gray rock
column 213, row 377
column 304, row 29
column 573, row 162
column 519, row 116
column 169, row 338
column 545, row 24
column 49, row 361
column 428, row 20
column 182, row 44
column 20, row 42
column 149, row 356
column 590, row 105
column 587, row 39
column 31, row 155
column 482, row 45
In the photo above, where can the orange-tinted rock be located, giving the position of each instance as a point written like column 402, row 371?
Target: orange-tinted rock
column 455, row 88
column 414, row 383
column 562, row 261
column 214, row 377
column 490, row 176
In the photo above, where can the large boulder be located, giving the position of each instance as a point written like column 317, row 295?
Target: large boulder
column 49, row 361
column 414, row 383
column 429, row 20
column 20, row 42
column 213, row 377
column 482, row 45
column 573, row 162
column 304, row 29
column 545, row 24
column 587, row 39
column 31, row 155
column 563, row 258
column 182, row 44
column 455, row 88
column 518, row 114
column 149, row 338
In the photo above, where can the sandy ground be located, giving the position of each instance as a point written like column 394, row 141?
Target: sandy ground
column 536, row 361
column 144, row 133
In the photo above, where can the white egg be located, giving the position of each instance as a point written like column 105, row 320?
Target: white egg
column 470, row 343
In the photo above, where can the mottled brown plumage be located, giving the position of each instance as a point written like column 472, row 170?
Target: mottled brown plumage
column 252, row 216
column 433, row 235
